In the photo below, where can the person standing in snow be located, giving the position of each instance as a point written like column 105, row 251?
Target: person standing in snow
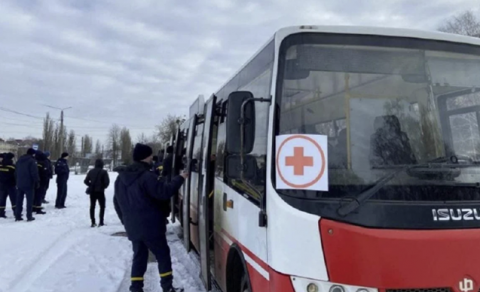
column 27, row 181
column 42, row 186
column 63, row 172
column 7, row 183
column 48, row 163
column 97, row 180
column 137, row 198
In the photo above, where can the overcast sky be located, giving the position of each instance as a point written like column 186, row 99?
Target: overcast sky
column 133, row 62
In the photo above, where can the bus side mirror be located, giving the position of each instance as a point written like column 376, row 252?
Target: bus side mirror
column 234, row 121
column 234, row 167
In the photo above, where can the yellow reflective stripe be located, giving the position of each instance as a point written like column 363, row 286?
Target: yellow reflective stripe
column 4, row 170
column 160, row 167
column 2, row 207
column 11, row 166
column 166, row 274
column 211, row 194
column 137, row 279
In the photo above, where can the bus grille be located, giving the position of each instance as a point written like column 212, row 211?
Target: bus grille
column 421, row 290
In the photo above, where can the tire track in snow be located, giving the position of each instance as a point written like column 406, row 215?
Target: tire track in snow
column 45, row 260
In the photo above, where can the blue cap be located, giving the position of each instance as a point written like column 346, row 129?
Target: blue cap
column 47, row 153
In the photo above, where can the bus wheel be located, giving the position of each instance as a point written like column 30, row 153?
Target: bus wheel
column 244, row 287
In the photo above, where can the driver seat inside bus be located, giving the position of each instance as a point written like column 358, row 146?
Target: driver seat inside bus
column 389, row 145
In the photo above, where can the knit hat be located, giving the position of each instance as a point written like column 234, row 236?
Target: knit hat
column 31, row 151
column 47, row 153
column 141, row 151
column 64, row 154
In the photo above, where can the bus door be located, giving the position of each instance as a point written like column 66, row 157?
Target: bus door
column 177, row 167
column 186, row 195
column 207, row 187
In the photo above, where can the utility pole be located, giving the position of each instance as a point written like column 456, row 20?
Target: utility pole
column 62, row 138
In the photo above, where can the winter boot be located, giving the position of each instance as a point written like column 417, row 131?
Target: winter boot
column 30, row 219
column 94, row 225
column 45, row 202
column 174, row 290
column 18, row 219
column 2, row 214
column 40, row 212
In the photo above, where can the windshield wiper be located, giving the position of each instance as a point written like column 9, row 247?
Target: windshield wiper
column 367, row 194
column 440, row 162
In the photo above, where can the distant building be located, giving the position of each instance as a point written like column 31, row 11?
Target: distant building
column 8, row 147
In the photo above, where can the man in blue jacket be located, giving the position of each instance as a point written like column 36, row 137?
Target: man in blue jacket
column 27, row 181
column 63, row 172
column 138, row 197
column 8, row 186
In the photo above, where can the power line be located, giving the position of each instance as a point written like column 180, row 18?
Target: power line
column 19, row 113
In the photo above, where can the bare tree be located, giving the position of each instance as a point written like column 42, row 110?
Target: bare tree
column 71, row 146
column 98, row 150
column 114, row 143
column 87, row 145
column 168, row 127
column 465, row 23
column 126, row 146
column 142, row 138
column 48, row 133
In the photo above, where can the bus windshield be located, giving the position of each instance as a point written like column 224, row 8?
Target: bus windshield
column 383, row 108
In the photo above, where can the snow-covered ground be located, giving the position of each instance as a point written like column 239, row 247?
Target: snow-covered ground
column 60, row 252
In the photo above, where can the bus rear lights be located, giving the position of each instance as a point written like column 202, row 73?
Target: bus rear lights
column 337, row 288
column 312, row 287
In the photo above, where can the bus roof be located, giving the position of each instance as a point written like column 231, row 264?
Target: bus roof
column 379, row 31
column 361, row 30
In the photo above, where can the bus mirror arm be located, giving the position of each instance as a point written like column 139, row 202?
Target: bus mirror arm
column 262, row 215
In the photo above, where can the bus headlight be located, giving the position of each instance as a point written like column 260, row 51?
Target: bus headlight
column 312, row 287
column 337, row 288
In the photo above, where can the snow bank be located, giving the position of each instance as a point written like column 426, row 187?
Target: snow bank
column 60, row 252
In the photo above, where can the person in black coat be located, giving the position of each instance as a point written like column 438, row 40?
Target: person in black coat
column 7, row 183
column 50, row 174
column 98, row 181
column 138, row 195
column 63, row 172
column 42, row 186
column 168, row 164
column 27, row 181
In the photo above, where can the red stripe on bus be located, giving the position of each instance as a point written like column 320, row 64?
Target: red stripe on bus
column 260, row 262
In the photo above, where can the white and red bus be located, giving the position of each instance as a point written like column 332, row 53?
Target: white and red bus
column 339, row 159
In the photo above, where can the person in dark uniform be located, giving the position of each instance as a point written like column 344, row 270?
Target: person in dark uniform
column 168, row 164
column 138, row 192
column 8, row 186
column 42, row 186
column 27, row 181
column 97, row 180
column 63, row 172
column 50, row 174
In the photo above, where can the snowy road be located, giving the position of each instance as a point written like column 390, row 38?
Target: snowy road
column 59, row 252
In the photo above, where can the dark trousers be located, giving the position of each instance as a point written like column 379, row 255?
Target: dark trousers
column 94, row 197
column 160, row 249
column 39, row 195
column 5, row 192
column 46, row 189
column 29, row 193
column 61, row 193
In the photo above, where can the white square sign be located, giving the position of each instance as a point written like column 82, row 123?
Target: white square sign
column 302, row 162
